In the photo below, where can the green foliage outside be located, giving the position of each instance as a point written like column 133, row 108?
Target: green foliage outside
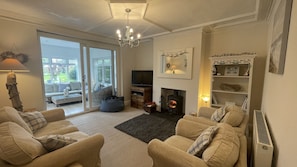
column 62, row 77
column 72, row 74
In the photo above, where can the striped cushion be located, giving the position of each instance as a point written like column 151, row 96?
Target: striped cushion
column 35, row 120
column 54, row 142
column 17, row 145
column 202, row 141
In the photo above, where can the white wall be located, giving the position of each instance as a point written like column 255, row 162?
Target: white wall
column 143, row 59
column 279, row 97
column 128, row 62
column 24, row 37
column 180, row 40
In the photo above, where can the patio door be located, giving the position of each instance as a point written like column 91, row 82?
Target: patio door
column 99, row 75
column 85, row 71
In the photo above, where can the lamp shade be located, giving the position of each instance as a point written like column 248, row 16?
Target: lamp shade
column 11, row 64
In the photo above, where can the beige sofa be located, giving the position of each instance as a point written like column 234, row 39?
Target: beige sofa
column 227, row 148
column 234, row 116
column 19, row 147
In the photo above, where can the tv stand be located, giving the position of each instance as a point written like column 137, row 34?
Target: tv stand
column 140, row 96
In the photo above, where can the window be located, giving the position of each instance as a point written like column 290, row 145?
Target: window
column 60, row 60
column 60, row 70
column 103, row 67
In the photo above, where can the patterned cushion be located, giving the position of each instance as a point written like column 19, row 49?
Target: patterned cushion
column 53, row 142
column 218, row 114
column 17, row 145
column 35, row 120
column 202, row 141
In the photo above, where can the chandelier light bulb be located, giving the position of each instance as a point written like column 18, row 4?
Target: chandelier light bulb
column 138, row 36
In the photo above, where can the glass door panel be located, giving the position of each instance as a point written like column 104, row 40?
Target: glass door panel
column 62, row 73
column 99, row 69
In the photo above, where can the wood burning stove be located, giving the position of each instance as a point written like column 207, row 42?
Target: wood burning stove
column 175, row 103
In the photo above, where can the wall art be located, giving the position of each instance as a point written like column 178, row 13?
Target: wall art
column 280, row 32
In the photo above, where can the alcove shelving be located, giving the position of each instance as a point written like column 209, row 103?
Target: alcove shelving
column 232, row 80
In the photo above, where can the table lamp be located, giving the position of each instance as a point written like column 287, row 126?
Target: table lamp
column 12, row 65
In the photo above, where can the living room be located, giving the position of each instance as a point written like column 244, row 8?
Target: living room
column 272, row 93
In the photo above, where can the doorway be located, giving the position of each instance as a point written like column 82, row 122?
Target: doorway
column 74, row 74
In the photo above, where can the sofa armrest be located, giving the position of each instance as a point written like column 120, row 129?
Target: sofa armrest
column 201, row 120
column 75, row 165
column 189, row 129
column 206, row 112
column 242, row 159
column 54, row 115
column 85, row 152
column 241, row 129
column 165, row 155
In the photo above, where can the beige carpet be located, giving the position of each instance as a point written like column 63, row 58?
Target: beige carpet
column 119, row 149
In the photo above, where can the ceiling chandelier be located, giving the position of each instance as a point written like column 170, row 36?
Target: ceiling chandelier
column 128, row 39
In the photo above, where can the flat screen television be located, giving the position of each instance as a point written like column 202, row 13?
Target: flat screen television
column 142, row 77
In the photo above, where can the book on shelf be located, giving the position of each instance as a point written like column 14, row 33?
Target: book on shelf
column 244, row 104
column 214, row 99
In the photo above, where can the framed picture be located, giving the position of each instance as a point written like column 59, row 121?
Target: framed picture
column 280, row 32
column 232, row 71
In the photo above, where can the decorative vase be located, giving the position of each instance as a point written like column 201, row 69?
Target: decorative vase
column 214, row 70
column 66, row 92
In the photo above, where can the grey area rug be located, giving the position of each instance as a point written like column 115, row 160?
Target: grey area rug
column 147, row 127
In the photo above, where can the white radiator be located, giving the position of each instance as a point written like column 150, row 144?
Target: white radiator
column 262, row 144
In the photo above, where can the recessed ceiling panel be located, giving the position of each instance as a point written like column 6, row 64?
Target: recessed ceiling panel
column 151, row 18
column 118, row 10
column 140, row 26
column 176, row 14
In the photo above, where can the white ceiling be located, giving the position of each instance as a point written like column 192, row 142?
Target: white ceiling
column 153, row 18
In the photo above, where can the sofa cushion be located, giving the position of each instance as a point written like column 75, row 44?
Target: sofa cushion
column 218, row 114
column 63, row 86
column 48, row 88
column 35, row 120
column 202, row 141
column 11, row 114
column 75, row 85
column 233, row 118
column 58, row 127
column 224, row 149
column 17, row 145
column 51, row 88
column 54, row 142
column 97, row 87
column 179, row 142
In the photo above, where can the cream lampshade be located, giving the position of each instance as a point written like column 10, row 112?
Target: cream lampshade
column 12, row 65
